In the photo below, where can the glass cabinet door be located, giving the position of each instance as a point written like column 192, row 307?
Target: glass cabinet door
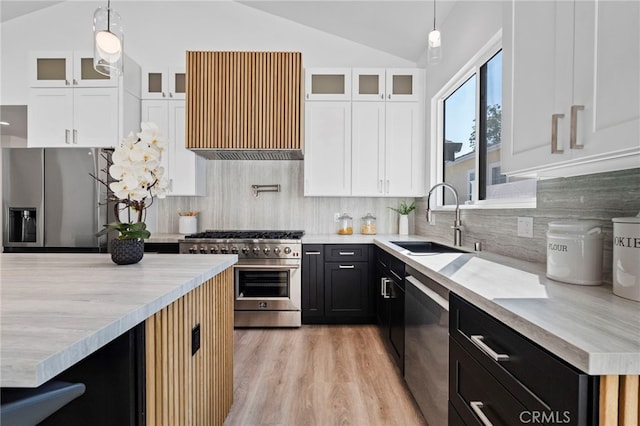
column 177, row 83
column 368, row 84
column 403, row 84
column 84, row 75
column 51, row 69
column 328, row 84
column 154, row 84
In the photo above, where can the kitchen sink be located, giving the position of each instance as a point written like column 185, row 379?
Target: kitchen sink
column 425, row 247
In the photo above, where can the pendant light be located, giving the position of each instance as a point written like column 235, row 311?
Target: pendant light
column 108, row 41
column 434, row 51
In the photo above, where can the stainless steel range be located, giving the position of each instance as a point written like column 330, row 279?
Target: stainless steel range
column 267, row 277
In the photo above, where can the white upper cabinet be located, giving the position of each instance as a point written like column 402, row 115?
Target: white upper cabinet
column 372, row 146
column 573, row 105
column 66, row 69
column 327, row 160
column 404, row 84
column 327, row 84
column 185, row 170
column 164, row 83
column 368, row 84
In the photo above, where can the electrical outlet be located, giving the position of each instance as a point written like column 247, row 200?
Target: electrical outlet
column 525, row 227
column 336, row 216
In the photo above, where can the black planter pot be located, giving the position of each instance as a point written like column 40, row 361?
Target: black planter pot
column 127, row 252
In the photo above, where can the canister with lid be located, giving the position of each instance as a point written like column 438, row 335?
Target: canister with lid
column 626, row 257
column 574, row 251
column 368, row 226
column 345, row 224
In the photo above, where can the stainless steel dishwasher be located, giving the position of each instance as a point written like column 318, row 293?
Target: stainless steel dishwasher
column 426, row 357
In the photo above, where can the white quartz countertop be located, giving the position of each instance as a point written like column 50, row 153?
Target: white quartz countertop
column 55, row 309
column 587, row 326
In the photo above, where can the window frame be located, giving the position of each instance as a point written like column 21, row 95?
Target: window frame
column 472, row 67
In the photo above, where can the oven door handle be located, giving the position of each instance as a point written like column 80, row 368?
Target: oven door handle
column 266, row 266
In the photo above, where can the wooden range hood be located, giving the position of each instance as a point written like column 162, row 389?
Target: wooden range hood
column 244, row 105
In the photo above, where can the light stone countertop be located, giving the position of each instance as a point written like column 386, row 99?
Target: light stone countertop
column 587, row 326
column 55, row 309
column 164, row 238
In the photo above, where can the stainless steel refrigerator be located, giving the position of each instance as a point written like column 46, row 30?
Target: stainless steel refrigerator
column 50, row 201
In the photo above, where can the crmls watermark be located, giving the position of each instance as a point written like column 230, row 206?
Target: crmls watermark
column 545, row 417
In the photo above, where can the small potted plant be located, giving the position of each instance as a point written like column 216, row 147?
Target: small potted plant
column 403, row 222
column 138, row 177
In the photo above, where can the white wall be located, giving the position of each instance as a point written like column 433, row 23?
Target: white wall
column 157, row 33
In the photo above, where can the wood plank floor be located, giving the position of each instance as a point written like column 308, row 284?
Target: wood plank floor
column 318, row 375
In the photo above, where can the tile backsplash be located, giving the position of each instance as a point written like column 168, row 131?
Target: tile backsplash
column 596, row 197
column 230, row 203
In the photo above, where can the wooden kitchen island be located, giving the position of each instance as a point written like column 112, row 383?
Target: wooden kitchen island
column 65, row 315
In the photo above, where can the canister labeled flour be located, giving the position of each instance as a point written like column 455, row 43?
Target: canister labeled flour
column 626, row 257
column 574, row 252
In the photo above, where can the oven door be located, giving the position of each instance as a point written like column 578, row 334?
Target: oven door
column 267, row 288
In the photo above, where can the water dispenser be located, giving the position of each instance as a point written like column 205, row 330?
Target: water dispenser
column 22, row 225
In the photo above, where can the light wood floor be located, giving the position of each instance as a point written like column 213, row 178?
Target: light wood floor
column 317, row 375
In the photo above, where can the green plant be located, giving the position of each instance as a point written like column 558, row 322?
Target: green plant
column 128, row 231
column 404, row 208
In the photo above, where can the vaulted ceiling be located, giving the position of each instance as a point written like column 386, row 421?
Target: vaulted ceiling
column 398, row 27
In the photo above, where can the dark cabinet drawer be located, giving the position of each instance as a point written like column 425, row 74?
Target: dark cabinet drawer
column 537, row 378
column 346, row 253
column 474, row 392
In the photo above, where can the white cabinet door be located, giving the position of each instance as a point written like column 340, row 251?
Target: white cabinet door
column 187, row 170
column 327, row 84
column 537, row 65
column 368, row 148
column 403, row 84
column 164, row 83
column 95, row 117
column 368, row 84
column 50, row 118
column 84, row 75
column 177, row 82
column 184, row 169
column 404, row 153
column 607, row 76
column 51, row 69
column 327, row 160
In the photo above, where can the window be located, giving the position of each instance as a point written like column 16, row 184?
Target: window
column 468, row 123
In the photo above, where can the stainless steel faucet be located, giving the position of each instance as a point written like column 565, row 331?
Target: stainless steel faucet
column 457, row 225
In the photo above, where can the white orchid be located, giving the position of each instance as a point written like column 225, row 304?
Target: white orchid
column 136, row 168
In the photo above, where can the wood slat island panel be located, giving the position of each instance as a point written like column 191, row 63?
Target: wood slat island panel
column 243, row 100
column 619, row 401
column 186, row 389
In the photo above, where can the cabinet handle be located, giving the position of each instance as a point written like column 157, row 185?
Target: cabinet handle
column 75, row 136
column 170, row 95
column 387, row 188
column 380, row 185
column 307, row 96
column 66, row 136
column 554, row 134
column 476, row 406
column 573, row 133
column 75, row 82
column 347, row 253
column 479, row 342
column 315, row 253
column 163, row 95
column 389, row 96
column 383, row 287
column 382, row 96
column 346, row 266
column 66, row 82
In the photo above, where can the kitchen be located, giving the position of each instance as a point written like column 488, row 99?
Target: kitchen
column 229, row 202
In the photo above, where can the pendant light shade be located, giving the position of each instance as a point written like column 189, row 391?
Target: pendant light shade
column 108, row 41
column 434, row 49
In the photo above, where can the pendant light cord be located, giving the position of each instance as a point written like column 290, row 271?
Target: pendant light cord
column 109, row 14
column 434, row 14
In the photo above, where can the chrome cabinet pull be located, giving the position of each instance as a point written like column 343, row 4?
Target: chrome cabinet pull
column 387, row 188
column 347, row 253
column 383, row 287
column 479, row 342
column 380, row 185
column 75, row 136
column 476, row 406
column 312, row 253
column 346, row 266
column 573, row 133
column 66, row 82
column 66, row 136
column 382, row 96
column 75, row 82
column 554, row 134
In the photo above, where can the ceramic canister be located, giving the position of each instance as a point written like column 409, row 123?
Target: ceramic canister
column 626, row 257
column 574, row 252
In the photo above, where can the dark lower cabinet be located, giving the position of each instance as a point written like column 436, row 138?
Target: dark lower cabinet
column 389, row 291
column 498, row 373
column 336, row 286
column 312, row 283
